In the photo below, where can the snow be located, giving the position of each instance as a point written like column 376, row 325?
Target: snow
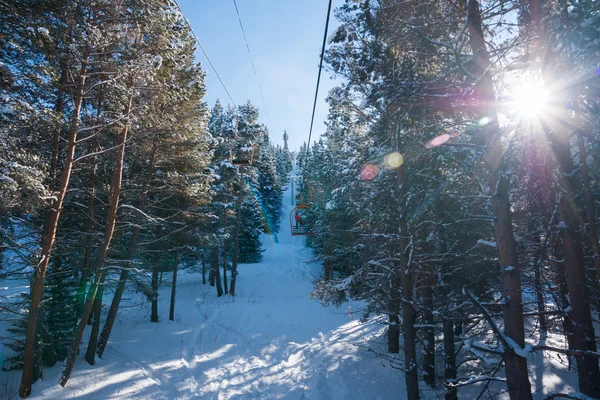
column 486, row 243
column 510, row 268
column 520, row 351
column 43, row 31
column 331, row 37
column 272, row 341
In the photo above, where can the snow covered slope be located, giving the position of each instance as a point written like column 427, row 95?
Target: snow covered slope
column 272, row 341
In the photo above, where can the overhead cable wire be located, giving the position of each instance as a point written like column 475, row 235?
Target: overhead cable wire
column 204, row 51
column 312, row 119
column 250, row 55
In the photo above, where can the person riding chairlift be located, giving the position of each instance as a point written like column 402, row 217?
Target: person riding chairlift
column 298, row 219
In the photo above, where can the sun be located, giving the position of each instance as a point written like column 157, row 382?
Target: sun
column 530, row 100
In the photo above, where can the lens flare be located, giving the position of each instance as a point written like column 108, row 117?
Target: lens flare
column 393, row 160
column 439, row 140
column 484, row 121
column 530, row 100
column 369, row 171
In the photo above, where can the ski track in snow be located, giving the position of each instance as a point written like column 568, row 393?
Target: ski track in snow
column 272, row 341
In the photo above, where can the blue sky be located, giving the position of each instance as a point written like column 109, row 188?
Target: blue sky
column 285, row 38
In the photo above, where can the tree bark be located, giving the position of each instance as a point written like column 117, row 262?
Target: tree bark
column 225, row 254
column 49, row 233
column 557, row 129
column 111, row 215
column 517, row 376
column 580, row 315
column 215, row 269
column 85, row 269
column 236, row 246
column 590, row 205
column 539, row 294
column 449, row 357
column 327, row 263
column 408, row 311
column 393, row 332
column 429, row 356
column 447, row 322
column 408, row 325
column 154, row 313
column 564, row 293
column 211, row 271
column 204, row 273
column 116, row 301
column 97, row 308
column 174, row 284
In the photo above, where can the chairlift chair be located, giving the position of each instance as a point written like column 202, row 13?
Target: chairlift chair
column 242, row 155
column 307, row 223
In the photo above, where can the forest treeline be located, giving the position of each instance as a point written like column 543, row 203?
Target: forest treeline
column 114, row 171
column 464, row 214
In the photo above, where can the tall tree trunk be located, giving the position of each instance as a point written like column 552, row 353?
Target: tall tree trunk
column 327, row 269
column 563, row 293
column 517, row 377
column 557, row 128
column 449, row 357
column 154, row 313
column 539, row 294
column 408, row 311
column 87, row 255
column 447, row 322
column 408, row 325
column 327, row 263
column 49, row 233
column 204, row 273
column 111, row 216
column 236, row 246
column 590, row 204
column 59, row 109
column 116, row 301
column 429, row 356
column 96, row 311
column 155, row 282
column 174, row 284
column 85, row 269
column 215, row 270
column 393, row 333
column 580, row 315
column 211, row 271
column 225, row 254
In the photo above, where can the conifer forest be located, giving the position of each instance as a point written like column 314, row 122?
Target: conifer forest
column 432, row 234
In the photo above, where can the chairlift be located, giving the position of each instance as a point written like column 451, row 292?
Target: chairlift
column 303, row 194
column 242, row 155
column 303, row 221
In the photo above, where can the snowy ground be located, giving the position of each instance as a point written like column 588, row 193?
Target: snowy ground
column 272, row 341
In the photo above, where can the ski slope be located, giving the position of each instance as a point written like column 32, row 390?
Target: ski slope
column 272, row 341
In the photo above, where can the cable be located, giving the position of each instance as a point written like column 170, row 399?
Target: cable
column 312, row 119
column 204, row 51
column 250, row 55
